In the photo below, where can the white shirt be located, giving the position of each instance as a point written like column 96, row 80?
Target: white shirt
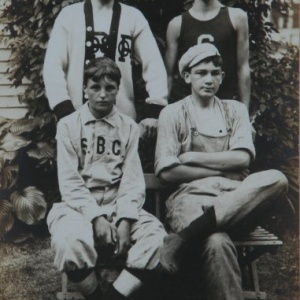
column 99, row 169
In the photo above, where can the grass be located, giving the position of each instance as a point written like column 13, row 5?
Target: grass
column 27, row 272
column 279, row 274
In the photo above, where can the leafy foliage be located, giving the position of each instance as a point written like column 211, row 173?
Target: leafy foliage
column 8, row 177
column 30, row 205
column 7, row 218
column 27, row 146
column 275, row 105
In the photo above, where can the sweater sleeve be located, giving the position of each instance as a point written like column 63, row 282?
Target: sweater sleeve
column 131, row 193
column 71, row 184
column 56, row 64
column 147, row 53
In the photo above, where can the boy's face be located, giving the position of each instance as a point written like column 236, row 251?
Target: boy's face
column 102, row 96
column 205, row 79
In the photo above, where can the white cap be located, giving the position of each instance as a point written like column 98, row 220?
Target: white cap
column 195, row 55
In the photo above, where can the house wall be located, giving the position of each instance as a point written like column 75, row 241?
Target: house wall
column 10, row 107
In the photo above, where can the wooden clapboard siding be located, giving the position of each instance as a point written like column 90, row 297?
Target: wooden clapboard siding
column 10, row 107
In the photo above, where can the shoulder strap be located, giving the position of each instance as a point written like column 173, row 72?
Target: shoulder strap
column 184, row 20
column 227, row 117
column 114, row 28
column 193, row 125
column 89, row 31
column 110, row 50
column 113, row 33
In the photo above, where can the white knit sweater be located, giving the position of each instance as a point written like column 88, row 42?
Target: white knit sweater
column 64, row 61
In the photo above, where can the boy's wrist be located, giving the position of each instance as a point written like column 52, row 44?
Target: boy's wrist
column 98, row 218
column 125, row 222
column 63, row 109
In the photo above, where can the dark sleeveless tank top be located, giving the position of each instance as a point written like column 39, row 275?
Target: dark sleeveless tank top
column 219, row 31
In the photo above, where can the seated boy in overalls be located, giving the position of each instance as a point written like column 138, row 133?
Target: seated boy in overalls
column 205, row 146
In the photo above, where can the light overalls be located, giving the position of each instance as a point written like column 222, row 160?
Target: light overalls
column 237, row 204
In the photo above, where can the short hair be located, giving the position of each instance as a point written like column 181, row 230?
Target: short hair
column 101, row 67
column 216, row 60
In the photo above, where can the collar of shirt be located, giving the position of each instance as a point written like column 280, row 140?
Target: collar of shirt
column 88, row 117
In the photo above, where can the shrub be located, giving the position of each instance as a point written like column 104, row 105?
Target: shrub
column 27, row 146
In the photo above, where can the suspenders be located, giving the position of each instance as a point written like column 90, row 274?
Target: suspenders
column 109, row 48
column 226, row 117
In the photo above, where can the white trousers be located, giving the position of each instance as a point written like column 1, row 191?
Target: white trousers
column 73, row 242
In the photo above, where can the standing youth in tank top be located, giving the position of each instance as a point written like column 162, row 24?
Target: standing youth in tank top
column 227, row 29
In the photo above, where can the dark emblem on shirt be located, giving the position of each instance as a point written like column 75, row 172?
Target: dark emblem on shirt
column 125, row 46
column 100, row 42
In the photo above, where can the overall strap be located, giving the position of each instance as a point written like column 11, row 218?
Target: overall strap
column 193, row 125
column 226, row 116
column 228, row 120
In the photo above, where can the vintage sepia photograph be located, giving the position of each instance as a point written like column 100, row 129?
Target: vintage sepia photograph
column 149, row 149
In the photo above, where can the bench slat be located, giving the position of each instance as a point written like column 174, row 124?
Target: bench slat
column 258, row 242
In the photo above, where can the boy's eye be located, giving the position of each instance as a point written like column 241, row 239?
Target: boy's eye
column 95, row 87
column 216, row 73
column 110, row 88
column 202, row 73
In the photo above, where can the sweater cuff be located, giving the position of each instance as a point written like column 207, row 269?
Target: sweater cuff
column 63, row 109
column 92, row 212
column 152, row 111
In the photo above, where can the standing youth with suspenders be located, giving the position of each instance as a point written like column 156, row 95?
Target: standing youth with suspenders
column 108, row 28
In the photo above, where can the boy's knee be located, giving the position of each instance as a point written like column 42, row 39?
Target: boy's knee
column 280, row 180
column 218, row 243
column 272, row 179
column 65, row 242
column 72, row 242
column 64, row 248
column 73, row 252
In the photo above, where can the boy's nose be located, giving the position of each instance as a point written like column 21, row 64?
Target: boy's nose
column 208, row 78
column 102, row 93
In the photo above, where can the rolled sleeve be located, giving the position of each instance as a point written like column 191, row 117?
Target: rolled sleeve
column 168, row 145
column 166, row 162
column 242, row 131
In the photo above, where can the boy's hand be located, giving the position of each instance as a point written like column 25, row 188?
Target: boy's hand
column 105, row 232
column 186, row 158
column 148, row 128
column 236, row 175
column 123, row 241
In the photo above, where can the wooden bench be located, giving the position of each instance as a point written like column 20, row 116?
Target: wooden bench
column 250, row 248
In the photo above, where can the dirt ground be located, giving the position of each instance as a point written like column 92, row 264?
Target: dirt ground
column 27, row 272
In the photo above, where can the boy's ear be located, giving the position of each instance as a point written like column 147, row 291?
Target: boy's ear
column 223, row 75
column 187, row 77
